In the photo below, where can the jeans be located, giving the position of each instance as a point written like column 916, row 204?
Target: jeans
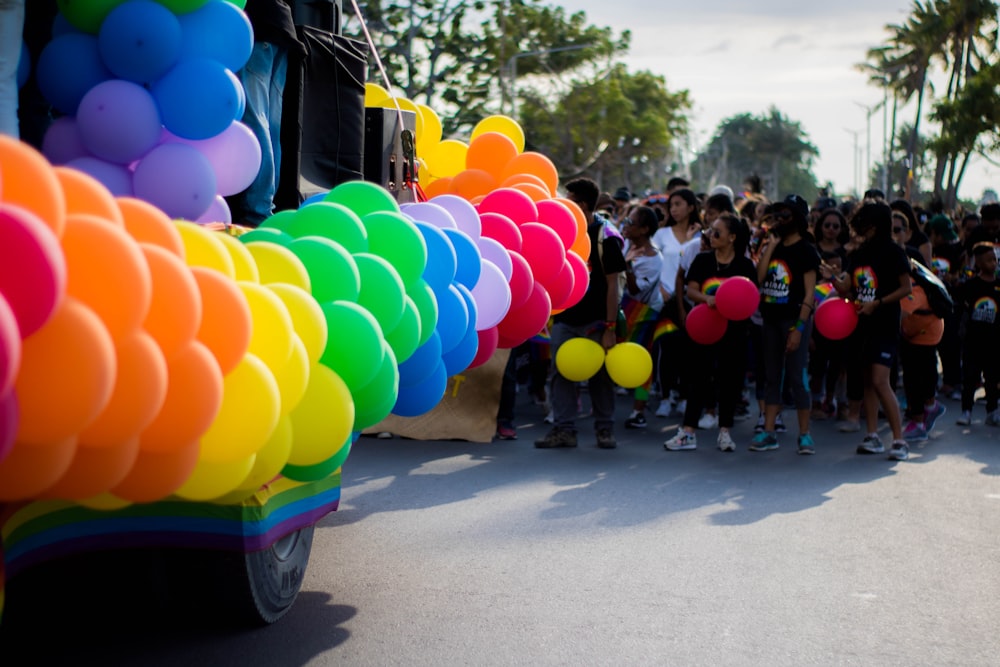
column 564, row 392
column 263, row 78
column 11, row 29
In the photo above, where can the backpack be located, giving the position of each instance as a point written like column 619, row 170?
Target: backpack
column 938, row 298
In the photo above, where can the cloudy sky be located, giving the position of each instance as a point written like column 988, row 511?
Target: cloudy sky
column 735, row 56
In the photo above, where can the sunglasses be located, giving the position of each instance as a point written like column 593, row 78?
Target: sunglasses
column 831, row 225
column 898, row 230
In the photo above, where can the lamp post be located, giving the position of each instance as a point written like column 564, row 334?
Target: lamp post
column 857, row 160
column 869, row 111
column 511, row 67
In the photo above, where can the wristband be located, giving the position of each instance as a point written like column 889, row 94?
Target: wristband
column 799, row 326
column 609, row 325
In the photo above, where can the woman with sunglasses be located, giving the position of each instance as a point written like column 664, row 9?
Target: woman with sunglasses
column 831, row 233
column 719, row 369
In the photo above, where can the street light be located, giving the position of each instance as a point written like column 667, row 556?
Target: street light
column 869, row 111
column 511, row 66
column 857, row 160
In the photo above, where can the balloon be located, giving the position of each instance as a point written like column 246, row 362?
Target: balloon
column 28, row 181
column 382, row 290
column 464, row 214
column 488, row 340
column 557, row 216
column 530, row 318
column 468, row 258
column 354, row 349
column 435, row 187
column 194, row 397
column 210, row 479
column 68, row 67
column 9, row 417
column 442, row 262
column 175, row 312
column 737, row 298
column 495, row 253
column 404, row 104
column 226, row 321
column 629, row 365
column 502, row 229
column 148, row 224
column 85, row 194
column 490, row 152
column 404, row 338
column 271, row 332
column 307, row 317
column 140, row 40
column 374, row 401
column 271, row 458
column 582, row 244
column 512, row 203
column 543, row 250
column 705, row 325
column 87, row 16
column 333, row 272
column 431, row 134
column 234, row 155
column 579, row 359
column 363, row 198
column 427, row 308
column 244, row 266
column 581, row 279
column 270, row 234
column 203, row 247
column 116, row 178
column 395, row 238
column 158, row 473
column 216, row 89
column 23, row 66
column 431, row 213
column 534, row 192
column 522, row 280
column 177, row 179
column 321, row 470
column 218, row 31
column 95, row 469
column 836, row 318
column 421, row 363
column 33, row 272
column 515, row 180
column 10, row 352
column 561, row 287
column 415, row 400
column 29, row 471
column 502, row 125
column 453, row 318
column 535, row 164
column 329, row 220
column 471, row 183
column 62, row 141
column 323, row 418
column 374, row 94
column 492, row 297
column 278, row 264
column 251, row 405
column 446, row 159
column 458, row 358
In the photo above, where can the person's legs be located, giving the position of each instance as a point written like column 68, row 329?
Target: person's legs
column 257, row 201
column 11, row 29
column 773, row 340
column 508, row 391
column 972, row 371
column 564, row 392
column 885, row 396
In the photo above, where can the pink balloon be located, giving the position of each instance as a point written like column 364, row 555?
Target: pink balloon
column 513, row 203
column 561, row 287
column 502, row 229
column 555, row 215
column 492, row 297
column 581, row 279
column 529, row 319
column 32, row 268
column 10, row 417
column 836, row 318
column 521, row 280
column 543, row 250
column 10, row 347
column 492, row 251
column 705, row 325
column 488, row 339
column 737, row 298
column 465, row 214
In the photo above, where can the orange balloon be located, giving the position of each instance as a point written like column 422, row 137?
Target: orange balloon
column 517, row 179
column 536, row 164
column 225, row 323
column 472, row 183
column 138, row 396
column 439, row 186
column 536, row 192
column 475, row 200
column 30, row 469
column 148, row 224
column 27, row 179
column 157, row 474
column 194, row 398
column 85, row 194
column 582, row 244
column 95, row 469
column 175, row 311
column 107, row 271
column 67, row 375
column 491, row 152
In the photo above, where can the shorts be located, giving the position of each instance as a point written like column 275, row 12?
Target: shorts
column 879, row 351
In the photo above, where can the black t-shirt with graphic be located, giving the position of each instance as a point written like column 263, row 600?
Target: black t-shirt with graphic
column 874, row 270
column 783, row 289
column 606, row 257
column 979, row 302
column 709, row 274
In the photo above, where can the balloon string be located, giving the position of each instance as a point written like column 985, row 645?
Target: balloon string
column 378, row 61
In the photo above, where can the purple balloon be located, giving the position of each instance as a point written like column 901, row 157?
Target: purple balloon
column 118, row 121
column 63, row 142
column 234, row 155
column 492, row 250
column 217, row 212
column 177, row 179
column 115, row 177
column 431, row 214
column 492, row 297
column 464, row 213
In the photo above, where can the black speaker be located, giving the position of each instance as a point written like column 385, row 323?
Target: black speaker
column 389, row 150
column 323, row 14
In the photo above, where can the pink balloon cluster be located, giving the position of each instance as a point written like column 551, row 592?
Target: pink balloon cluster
column 736, row 298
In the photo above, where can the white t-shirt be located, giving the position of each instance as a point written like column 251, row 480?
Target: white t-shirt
column 670, row 249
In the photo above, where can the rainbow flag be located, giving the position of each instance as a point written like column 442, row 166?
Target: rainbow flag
column 640, row 321
column 822, row 291
column 664, row 327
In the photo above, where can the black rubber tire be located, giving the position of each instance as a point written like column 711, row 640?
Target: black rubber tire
column 272, row 578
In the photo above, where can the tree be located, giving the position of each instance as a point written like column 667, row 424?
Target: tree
column 770, row 146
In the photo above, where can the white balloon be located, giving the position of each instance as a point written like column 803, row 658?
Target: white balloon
column 493, row 250
column 492, row 297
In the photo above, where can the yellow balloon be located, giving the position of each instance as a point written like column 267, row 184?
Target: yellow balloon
column 202, row 247
column 505, row 125
column 294, row 377
column 323, row 418
column 629, row 365
column 446, row 159
column 431, row 136
column 251, row 403
column 243, row 262
column 210, row 480
column 375, row 94
column 105, row 501
column 278, row 264
column 271, row 458
column 307, row 318
column 406, row 105
column 579, row 359
column 271, row 328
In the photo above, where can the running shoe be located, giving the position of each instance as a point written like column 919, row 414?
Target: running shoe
column 932, row 414
column 914, row 431
column 872, row 444
column 899, row 451
column 725, row 442
column 681, row 442
column 806, row 444
column 965, row 418
column 763, row 442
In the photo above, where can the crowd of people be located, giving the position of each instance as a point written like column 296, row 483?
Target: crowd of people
column 922, row 282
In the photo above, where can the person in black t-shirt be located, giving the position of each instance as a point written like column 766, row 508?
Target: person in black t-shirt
column 877, row 278
column 980, row 298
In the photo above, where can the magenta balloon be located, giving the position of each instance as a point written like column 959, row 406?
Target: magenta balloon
column 521, row 324
column 543, row 250
column 737, row 298
column 234, row 155
column 560, row 288
column 465, row 215
column 119, row 121
column 115, row 177
column 430, row 213
column 177, row 179
column 521, row 280
column 492, row 251
column 488, row 340
column 836, row 318
column 581, row 279
column 9, row 419
column 492, row 296
column 705, row 325
column 10, row 347
column 513, row 203
column 502, row 229
column 32, row 268
column 62, row 141
column 555, row 215
column 217, row 212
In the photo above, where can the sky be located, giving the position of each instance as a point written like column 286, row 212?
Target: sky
column 798, row 55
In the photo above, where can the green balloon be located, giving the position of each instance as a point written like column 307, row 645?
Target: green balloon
column 382, row 290
column 427, row 308
column 331, row 221
column 87, row 15
column 355, row 345
column 333, row 273
column 363, row 197
column 374, row 401
column 320, row 470
column 405, row 338
column 280, row 220
column 187, row 6
column 269, row 234
column 395, row 238
column 239, row 3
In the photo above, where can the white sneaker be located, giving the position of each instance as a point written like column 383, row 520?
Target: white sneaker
column 708, row 421
column 725, row 442
column 681, row 442
column 964, row 419
column 664, row 409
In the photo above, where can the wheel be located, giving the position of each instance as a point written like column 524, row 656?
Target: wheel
column 271, row 578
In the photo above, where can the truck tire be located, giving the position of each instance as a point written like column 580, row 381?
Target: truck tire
column 270, row 579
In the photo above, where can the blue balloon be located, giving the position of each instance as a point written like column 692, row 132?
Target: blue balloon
column 453, row 317
column 415, row 400
column 470, row 259
column 470, row 303
column 315, row 199
column 218, row 30
column 198, row 98
column 421, row 363
column 459, row 357
column 69, row 66
column 140, row 40
column 442, row 263
column 61, row 26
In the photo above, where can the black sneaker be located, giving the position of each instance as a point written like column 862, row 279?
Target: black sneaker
column 636, row 420
column 605, row 439
column 557, row 437
column 872, row 444
column 899, row 451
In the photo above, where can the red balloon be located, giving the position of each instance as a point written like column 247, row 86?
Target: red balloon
column 559, row 218
column 501, row 229
column 10, row 347
column 836, row 318
column 737, row 298
column 521, row 324
column 33, row 272
column 581, row 279
column 488, row 340
column 511, row 202
column 561, row 286
column 543, row 250
column 9, row 419
column 521, row 280
column 705, row 325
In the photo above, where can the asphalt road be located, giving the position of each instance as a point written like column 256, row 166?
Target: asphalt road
column 454, row 553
